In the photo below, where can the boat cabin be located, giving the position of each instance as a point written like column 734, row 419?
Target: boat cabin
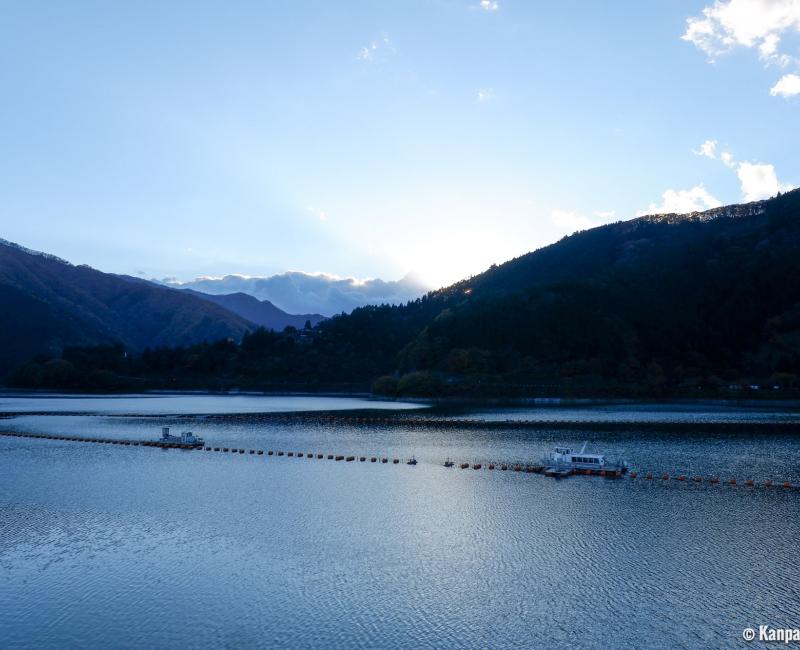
column 567, row 456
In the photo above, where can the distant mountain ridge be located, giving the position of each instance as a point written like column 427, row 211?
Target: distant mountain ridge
column 296, row 292
column 49, row 303
column 260, row 312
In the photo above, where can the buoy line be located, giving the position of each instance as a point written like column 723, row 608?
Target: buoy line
column 527, row 468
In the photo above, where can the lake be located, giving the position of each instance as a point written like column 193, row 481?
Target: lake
column 103, row 545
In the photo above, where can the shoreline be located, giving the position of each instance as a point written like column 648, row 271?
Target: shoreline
column 431, row 402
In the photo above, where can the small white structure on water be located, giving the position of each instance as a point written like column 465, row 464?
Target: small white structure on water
column 187, row 438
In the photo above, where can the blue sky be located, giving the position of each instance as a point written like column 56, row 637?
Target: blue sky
column 376, row 138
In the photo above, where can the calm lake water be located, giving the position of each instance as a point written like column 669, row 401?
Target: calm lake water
column 105, row 546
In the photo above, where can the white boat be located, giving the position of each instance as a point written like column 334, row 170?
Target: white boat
column 563, row 461
column 186, row 439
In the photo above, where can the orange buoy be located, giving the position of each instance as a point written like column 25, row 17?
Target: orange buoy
column 768, row 483
column 732, row 481
column 665, row 477
column 634, row 474
column 749, row 482
column 517, row 468
column 697, row 479
column 648, row 476
column 713, row 479
column 787, row 485
column 681, row 477
column 602, row 472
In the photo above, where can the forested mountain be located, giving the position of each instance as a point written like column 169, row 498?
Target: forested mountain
column 47, row 304
column 656, row 305
column 260, row 312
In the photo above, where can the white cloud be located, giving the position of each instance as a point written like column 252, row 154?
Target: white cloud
column 759, row 181
column 607, row 215
column 788, row 86
column 490, row 5
column 696, row 199
column 369, row 52
column 485, row 94
column 744, row 23
column 708, row 149
column 570, row 221
column 318, row 213
column 727, row 159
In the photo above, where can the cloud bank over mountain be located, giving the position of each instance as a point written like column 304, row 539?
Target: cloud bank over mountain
column 297, row 292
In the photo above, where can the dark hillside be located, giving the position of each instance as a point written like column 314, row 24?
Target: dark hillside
column 48, row 303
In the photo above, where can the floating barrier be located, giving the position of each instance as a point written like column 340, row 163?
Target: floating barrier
column 529, row 469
